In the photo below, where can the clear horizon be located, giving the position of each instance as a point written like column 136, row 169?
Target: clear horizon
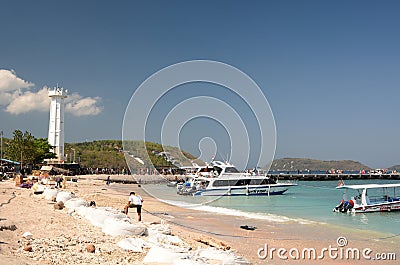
column 329, row 71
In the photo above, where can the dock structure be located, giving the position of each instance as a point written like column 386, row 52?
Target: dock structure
column 321, row 177
column 154, row 179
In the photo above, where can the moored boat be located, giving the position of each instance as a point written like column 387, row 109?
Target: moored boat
column 385, row 198
column 223, row 179
column 193, row 179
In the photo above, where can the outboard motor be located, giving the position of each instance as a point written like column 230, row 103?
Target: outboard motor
column 348, row 205
column 339, row 207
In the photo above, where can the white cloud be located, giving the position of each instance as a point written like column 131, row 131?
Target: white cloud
column 16, row 98
column 79, row 106
column 7, row 97
column 29, row 101
column 9, row 81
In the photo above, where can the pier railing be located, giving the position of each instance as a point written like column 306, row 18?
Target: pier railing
column 321, row 177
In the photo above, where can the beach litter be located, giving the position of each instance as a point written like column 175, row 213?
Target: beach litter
column 248, row 227
column 27, row 235
column 8, row 227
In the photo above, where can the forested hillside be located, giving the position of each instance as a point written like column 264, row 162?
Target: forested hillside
column 294, row 164
column 112, row 154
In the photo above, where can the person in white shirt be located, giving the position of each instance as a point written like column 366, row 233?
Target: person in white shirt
column 135, row 201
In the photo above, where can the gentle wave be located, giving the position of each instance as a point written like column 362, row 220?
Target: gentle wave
column 232, row 212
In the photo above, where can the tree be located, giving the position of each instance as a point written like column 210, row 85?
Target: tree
column 20, row 147
column 42, row 150
column 26, row 148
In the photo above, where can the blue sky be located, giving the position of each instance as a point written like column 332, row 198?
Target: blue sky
column 330, row 70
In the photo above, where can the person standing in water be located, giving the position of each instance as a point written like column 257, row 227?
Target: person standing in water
column 135, row 201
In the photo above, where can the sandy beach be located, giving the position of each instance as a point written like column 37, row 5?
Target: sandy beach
column 63, row 236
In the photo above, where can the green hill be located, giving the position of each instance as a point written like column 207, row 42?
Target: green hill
column 294, row 164
column 115, row 154
column 396, row 167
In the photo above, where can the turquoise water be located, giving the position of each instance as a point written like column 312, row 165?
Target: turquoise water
column 310, row 201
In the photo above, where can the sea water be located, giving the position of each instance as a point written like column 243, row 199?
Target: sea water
column 309, row 202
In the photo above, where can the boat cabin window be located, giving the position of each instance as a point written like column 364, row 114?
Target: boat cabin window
column 267, row 181
column 218, row 169
column 242, row 182
column 206, row 169
column 231, row 182
column 219, row 183
column 255, row 181
column 231, row 170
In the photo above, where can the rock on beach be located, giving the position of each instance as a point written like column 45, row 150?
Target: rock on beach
column 90, row 248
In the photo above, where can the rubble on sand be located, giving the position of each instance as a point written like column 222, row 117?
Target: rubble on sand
column 121, row 240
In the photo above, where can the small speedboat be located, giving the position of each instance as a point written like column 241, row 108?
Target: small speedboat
column 369, row 198
column 223, row 179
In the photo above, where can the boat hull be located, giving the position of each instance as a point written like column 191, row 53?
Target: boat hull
column 384, row 207
column 243, row 191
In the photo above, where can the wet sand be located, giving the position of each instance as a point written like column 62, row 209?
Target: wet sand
column 286, row 235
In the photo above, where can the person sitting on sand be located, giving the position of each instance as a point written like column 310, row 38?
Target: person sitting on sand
column 135, row 201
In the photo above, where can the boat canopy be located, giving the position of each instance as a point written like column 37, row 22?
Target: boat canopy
column 10, row 161
column 369, row 186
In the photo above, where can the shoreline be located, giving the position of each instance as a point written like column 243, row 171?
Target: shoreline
column 31, row 213
column 199, row 228
column 282, row 235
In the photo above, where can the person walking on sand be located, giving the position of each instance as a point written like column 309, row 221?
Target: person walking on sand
column 58, row 181
column 135, row 201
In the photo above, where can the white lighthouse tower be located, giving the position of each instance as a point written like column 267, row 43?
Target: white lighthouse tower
column 56, row 123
